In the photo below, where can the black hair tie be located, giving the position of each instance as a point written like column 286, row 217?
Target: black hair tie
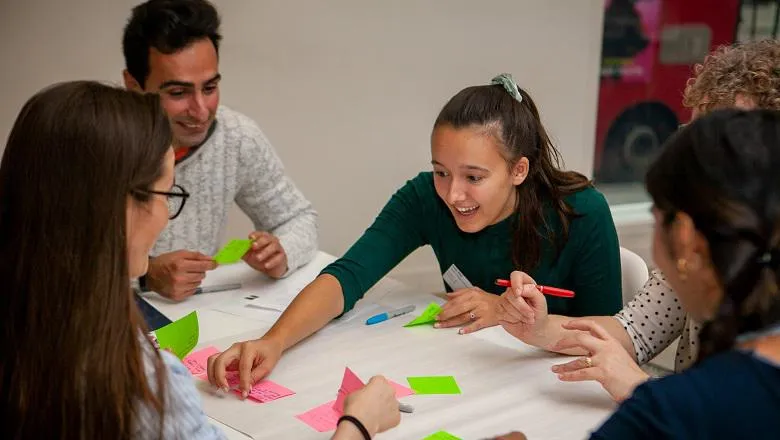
column 357, row 423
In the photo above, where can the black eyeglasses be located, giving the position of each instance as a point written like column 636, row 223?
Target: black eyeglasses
column 176, row 199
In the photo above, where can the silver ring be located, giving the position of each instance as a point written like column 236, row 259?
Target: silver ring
column 472, row 316
column 588, row 362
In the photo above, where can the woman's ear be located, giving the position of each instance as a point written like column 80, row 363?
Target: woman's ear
column 688, row 244
column 520, row 171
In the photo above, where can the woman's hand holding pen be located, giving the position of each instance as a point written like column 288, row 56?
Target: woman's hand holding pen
column 472, row 307
column 522, row 309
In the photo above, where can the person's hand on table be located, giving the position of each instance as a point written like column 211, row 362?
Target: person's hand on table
column 176, row 275
column 374, row 405
column 266, row 254
column 252, row 359
column 608, row 363
column 472, row 308
column 522, row 309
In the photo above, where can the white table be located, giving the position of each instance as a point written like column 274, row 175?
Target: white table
column 506, row 385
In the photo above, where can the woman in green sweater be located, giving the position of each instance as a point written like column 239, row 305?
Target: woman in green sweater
column 495, row 202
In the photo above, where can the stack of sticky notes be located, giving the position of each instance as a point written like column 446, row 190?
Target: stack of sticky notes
column 180, row 336
column 433, row 385
column 441, row 435
column 263, row 391
column 428, row 316
column 325, row 417
column 233, row 251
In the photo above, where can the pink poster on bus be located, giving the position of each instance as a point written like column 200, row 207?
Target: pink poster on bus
column 630, row 42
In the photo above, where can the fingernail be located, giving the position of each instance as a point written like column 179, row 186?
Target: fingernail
column 225, row 389
column 437, row 325
column 461, row 331
column 244, row 394
column 554, row 368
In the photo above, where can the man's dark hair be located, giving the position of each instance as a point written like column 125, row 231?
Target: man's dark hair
column 168, row 26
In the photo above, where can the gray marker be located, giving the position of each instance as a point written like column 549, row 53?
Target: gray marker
column 217, row 288
column 405, row 408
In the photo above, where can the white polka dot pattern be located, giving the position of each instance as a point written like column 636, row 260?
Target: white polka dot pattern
column 655, row 318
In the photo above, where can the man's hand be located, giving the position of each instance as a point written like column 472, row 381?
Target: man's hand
column 267, row 255
column 176, row 275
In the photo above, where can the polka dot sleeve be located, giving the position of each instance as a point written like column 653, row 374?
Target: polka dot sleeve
column 653, row 319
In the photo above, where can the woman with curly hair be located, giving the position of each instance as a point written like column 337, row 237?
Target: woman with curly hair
column 744, row 76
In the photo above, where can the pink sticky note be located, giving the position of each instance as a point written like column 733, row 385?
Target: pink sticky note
column 266, row 391
column 197, row 362
column 400, row 390
column 349, row 384
column 263, row 391
column 323, row 418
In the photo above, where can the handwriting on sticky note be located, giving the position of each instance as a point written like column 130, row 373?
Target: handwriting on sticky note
column 233, row 251
column 428, row 316
column 197, row 362
column 322, row 418
column 349, row 384
column 434, row 385
column 441, row 435
column 180, row 336
column 263, row 391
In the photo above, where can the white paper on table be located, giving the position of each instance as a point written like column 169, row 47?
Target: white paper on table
column 265, row 298
column 500, row 386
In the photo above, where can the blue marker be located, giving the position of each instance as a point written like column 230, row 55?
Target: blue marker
column 387, row 315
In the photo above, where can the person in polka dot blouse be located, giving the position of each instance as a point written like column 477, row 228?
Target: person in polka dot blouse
column 716, row 237
column 744, row 76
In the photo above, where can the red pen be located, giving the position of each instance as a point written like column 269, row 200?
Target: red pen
column 552, row 291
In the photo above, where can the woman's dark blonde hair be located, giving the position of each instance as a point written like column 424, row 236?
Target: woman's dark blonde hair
column 751, row 69
column 71, row 336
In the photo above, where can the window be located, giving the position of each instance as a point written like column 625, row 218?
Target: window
column 648, row 50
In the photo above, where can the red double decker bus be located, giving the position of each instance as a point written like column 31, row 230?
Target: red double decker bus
column 648, row 49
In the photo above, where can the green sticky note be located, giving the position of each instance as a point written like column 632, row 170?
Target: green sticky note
column 180, row 336
column 433, row 385
column 428, row 316
column 233, row 251
column 441, row 435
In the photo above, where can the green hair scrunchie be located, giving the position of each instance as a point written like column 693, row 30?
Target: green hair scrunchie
column 505, row 80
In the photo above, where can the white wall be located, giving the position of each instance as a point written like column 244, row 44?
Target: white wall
column 346, row 90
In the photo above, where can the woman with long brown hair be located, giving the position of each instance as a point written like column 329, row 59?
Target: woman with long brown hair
column 744, row 76
column 86, row 185
column 496, row 201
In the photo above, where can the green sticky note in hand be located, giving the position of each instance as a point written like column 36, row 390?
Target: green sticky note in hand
column 441, row 435
column 428, row 316
column 233, row 251
column 180, row 336
column 433, row 385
